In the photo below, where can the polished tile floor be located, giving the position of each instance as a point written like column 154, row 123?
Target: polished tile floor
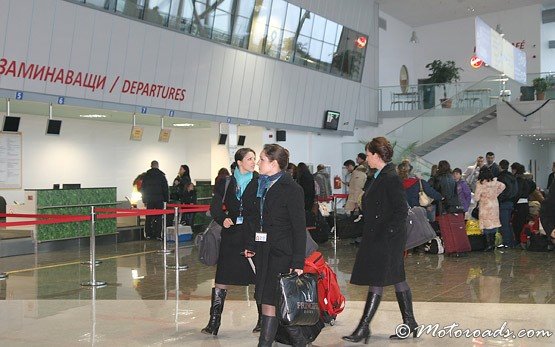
column 44, row 303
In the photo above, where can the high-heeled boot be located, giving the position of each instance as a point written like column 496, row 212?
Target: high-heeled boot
column 268, row 325
column 296, row 336
column 404, row 299
column 259, row 321
column 363, row 329
column 216, row 308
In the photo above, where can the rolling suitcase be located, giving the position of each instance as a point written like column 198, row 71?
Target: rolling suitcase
column 453, row 233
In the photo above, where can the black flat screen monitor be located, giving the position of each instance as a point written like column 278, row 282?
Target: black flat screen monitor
column 56, row 186
column 331, row 120
column 241, row 141
column 71, row 186
column 11, row 123
column 222, row 139
column 53, row 127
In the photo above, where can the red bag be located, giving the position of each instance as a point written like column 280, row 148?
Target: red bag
column 330, row 299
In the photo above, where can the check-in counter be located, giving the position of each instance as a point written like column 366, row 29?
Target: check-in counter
column 76, row 202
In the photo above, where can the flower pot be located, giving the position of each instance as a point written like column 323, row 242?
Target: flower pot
column 446, row 103
column 540, row 96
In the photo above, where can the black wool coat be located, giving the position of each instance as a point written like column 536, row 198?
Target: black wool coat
column 379, row 261
column 155, row 188
column 232, row 267
column 284, row 223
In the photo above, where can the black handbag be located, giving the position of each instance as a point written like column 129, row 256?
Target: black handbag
column 297, row 299
column 419, row 230
column 476, row 212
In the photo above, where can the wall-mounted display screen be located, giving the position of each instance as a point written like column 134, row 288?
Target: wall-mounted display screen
column 331, row 120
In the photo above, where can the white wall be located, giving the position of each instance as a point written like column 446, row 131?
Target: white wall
column 219, row 80
column 395, row 51
column 455, row 40
column 547, row 55
column 100, row 154
column 534, row 155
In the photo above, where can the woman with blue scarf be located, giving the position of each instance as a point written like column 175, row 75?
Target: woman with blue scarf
column 236, row 214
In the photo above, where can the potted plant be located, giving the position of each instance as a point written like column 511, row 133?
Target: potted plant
column 540, row 85
column 443, row 73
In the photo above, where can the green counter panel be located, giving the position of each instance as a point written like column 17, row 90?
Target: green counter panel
column 74, row 202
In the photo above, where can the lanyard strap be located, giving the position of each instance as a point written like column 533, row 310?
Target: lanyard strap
column 238, row 193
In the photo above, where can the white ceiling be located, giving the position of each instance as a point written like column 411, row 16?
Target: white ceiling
column 18, row 107
column 423, row 12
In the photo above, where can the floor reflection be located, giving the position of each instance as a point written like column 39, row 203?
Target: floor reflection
column 135, row 271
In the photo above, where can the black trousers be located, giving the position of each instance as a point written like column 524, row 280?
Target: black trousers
column 153, row 223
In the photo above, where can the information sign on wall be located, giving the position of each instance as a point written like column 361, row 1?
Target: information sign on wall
column 10, row 160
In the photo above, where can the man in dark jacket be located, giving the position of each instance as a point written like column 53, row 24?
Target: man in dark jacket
column 491, row 164
column 155, row 192
column 506, row 203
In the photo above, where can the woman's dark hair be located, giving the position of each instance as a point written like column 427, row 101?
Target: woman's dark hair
column 457, row 170
column 485, row 174
column 278, row 153
column 186, row 168
column 443, row 167
column 404, row 169
column 233, row 166
column 433, row 170
column 223, row 172
column 302, row 166
column 382, row 147
column 242, row 152
column 518, row 167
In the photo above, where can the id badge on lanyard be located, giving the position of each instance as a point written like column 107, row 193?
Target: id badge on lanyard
column 261, row 236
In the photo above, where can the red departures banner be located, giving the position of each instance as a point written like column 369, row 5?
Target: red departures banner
column 20, row 69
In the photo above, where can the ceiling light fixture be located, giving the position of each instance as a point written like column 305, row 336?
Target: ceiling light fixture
column 470, row 9
column 183, row 125
column 413, row 38
column 92, row 116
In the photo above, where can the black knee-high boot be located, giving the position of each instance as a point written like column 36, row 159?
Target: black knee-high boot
column 363, row 329
column 216, row 308
column 259, row 321
column 404, row 299
column 268, row 325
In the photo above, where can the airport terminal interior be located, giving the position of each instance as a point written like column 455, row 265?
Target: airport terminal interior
column 92, row 91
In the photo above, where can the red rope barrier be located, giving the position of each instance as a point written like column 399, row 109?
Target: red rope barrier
column 28, row 215
column 340, row 196
column 69, row 219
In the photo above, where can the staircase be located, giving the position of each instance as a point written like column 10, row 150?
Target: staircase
column 457, row 131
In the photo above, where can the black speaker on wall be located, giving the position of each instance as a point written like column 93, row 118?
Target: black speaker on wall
column 222, row 139
column 241, row 140
column 280, row 135
column 53, row 127
column 11, row 123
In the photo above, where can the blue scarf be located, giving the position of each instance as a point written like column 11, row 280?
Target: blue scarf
column 265, row 181
column 242, row 182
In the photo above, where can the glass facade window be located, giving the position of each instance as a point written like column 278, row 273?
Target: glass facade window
column 274, row 28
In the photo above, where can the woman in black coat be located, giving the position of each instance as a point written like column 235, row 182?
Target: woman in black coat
column 306, row 181
column 379, row 261
column 236, row 216
column 279, row 241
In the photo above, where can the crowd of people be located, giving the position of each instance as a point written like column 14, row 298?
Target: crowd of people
column 262, row 215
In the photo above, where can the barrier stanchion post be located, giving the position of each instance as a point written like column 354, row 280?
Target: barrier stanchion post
column 334, row 219
column 3, row 275
column 164, row 250
column 177, row 267
column 93, row 282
